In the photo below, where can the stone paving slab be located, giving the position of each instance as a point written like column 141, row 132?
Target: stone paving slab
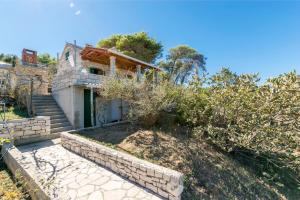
column 65, row 175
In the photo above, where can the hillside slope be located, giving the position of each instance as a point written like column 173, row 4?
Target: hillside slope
column 210, row 173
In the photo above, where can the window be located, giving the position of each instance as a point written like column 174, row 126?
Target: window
column 129, row 76
column 2, row 83
column 67, row 55
column 97, row 71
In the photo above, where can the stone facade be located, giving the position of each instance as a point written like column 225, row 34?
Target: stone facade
column 27, row 129
column 75, row 77
column 21, row 75
column 163, row 181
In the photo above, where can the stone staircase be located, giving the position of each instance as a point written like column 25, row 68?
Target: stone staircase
column 45, row 105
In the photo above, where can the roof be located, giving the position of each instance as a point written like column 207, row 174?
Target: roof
column 102, row 55
column 71, row 44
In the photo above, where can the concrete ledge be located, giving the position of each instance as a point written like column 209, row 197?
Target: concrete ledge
column 163, row 181
column 11, row 155
column 38, row 138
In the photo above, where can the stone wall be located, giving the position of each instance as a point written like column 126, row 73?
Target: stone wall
column 27, row 129
column 163, row 181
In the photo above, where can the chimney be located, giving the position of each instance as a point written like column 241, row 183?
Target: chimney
column 29, row 57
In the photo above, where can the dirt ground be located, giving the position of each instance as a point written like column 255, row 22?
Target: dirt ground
column 209, row 173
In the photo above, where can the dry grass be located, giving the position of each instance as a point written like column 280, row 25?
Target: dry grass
column 14, row 113
column 210, row 173
column 9, row 189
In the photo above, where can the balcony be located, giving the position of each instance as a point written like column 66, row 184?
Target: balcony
column 76, row 78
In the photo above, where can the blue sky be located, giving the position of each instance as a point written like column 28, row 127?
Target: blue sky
column 245, row 36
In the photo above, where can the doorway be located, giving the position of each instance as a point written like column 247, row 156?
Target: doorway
column 87, row 108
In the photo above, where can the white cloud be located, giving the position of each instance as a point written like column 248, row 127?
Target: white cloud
column 77, row 12
column 72, row 4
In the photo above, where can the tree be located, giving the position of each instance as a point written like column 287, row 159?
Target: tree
column 182, row 63
column 138, row 45
column 8, row 58
column 46, row 59
column 51, row 63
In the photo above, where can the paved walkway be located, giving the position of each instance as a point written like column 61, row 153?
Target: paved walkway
column 65, row 175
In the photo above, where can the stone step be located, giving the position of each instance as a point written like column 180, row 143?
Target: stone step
column 50, row 113
column 45, row 101
column 47, row 109
column 59, row 125
column 46, row 106
column 57, row 117
column 42, row 96
column 41, row 103
column 61, row 129
column 59, row 120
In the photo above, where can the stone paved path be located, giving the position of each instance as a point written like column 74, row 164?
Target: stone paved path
column 65, row 175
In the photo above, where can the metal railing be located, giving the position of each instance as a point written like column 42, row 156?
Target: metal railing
column 6, row 129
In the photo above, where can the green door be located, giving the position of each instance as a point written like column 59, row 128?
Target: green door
column 87, row 108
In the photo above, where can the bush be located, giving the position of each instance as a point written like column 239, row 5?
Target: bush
column 235, row 112
column 146, row 101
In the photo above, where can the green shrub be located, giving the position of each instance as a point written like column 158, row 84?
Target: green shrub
column 239, row 114
column 146, row 101
column 235, row 112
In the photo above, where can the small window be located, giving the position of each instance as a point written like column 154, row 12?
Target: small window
column 97, row 71
column 2, row 83
column 67, row 55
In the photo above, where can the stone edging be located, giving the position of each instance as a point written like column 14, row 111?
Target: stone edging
column 163, row 181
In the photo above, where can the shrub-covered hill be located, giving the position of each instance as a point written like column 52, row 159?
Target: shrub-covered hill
column 210, row 173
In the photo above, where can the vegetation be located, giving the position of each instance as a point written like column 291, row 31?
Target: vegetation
column 182, row 64
column 138, row 45
column 50, row 62
column 8, row 58
column 46, row 59
column 255, row 124
column 9, row 189
column 14, row 112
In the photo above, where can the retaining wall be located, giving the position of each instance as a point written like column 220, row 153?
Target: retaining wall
column 27, row 129
column 163, row 181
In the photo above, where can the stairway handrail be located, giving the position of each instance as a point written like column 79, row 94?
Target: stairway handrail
column 5, row 127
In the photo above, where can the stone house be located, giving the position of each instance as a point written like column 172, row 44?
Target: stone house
column 80, row 72
column 4, row 77
column 25, row 70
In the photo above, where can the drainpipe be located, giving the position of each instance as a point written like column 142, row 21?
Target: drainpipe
column 75, row 53
column 138, row 73
column 92, row 107
column 72, row 87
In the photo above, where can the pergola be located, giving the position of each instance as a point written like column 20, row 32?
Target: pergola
column 114, row 58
